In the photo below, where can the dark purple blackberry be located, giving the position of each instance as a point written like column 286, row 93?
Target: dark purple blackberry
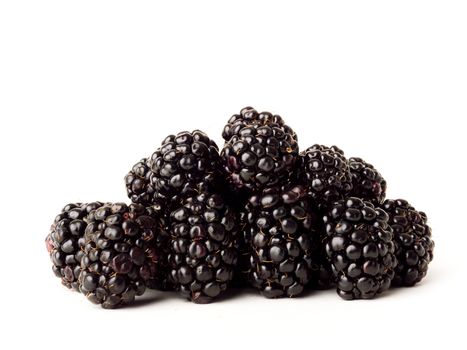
column 249, row 116
column 140, row 190
column 203, row 247
column 260, row 156
column 412, row 237
column 184, row 163
column 367, row 182
column 326, row 172
column 120, row 254
column 138, row 183
column 360, row 248
column 65, row 241
column 282, row 227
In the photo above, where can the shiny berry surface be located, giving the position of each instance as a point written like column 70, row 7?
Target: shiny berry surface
column 66, row 240
column 120, row 253
column 283, row 234
column 360, row 248
column 367, row 182
column 258, row 156
column 326, row 173
column 203, row 247
column 412, row 237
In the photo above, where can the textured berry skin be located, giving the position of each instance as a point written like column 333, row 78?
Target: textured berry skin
column 203, row 247
column 260, row 156
column 283, row 237
column 360, row 248
column 66, row 240
column 140, row 191
column 247, row 179
column 185, row 162
column 367, row 182
column 412, row 237
column 185, row 165
column 120, row 254
column 182, row 163
column 249, row 116
column 138, row 183
column 326, row 172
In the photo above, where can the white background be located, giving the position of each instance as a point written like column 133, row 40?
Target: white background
column 87, row 88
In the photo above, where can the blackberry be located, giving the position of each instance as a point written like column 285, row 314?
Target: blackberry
column 360, row 248
column 412, row 237
column 203, row 247
column 120, row 255
column 249, row 116
column 367, row 182
column 326, row 172
column 282, row 226
column 185, row 162
column 65, row 241
column 260, row 156
column 138, row 183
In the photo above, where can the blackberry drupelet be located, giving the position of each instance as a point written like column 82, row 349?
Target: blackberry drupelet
column 360, row 248
column 138, row 183
column 260, row 156
column 184, row 163
column 367, row 182
column 249, row 116
column 120, row 254
column 65, row 241
column 412, row 237
column 326, row 172
column 282, row 227
column 203, row 247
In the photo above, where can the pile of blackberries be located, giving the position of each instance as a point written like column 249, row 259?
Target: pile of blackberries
column 258, row 213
